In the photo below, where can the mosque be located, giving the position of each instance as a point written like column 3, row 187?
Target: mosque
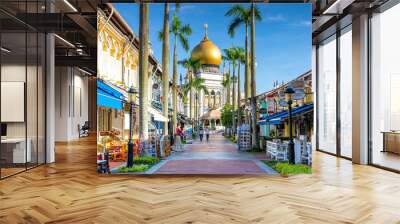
column 209, row 56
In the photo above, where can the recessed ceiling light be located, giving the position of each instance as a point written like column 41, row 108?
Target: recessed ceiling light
column 5, row 50
column 70, row 5
column 64, row 40
column 84, row 71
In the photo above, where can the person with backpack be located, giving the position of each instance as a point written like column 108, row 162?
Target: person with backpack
column 201, row 133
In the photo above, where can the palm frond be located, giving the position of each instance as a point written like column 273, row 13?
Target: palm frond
column 184, row 63
column 175, row 25
column 236, row 22
column 177, row 7
column 257, row 13
column 186, row 30
column 204, row 88
column 195, row 64
column 236, row 10
column 160, row 35
column 184, row 41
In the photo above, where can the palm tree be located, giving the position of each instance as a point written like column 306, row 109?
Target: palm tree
column 227, row 79
column 191, row 66
column 143, row 71
column 226, row 83
column 231, row 55
column 241, row 59
column 242, row 16
column 180, row 32
column 254, row 134
column 165, row 65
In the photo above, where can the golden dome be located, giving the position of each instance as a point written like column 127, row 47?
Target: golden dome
column 207, row 52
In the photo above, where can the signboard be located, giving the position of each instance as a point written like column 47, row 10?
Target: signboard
column 282, row 99
column 263, row 110
column 298, row 87
column 299, row 94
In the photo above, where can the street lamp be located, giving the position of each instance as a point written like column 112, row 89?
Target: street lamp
column 289, row 99
column 132, row 92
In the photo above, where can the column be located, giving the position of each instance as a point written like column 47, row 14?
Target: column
column 50, row 97
column 314, row 90
column 360, row 89
column 201, row 102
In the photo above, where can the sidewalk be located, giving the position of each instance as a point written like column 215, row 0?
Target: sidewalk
column 218, row 156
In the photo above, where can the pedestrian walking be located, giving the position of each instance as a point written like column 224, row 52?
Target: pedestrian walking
column 201, row 133
column 179, row 137
column 207, row 132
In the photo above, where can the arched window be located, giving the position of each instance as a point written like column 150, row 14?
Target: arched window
column 212, row 98
column 218, row 101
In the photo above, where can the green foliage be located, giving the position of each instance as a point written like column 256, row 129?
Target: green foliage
column 231, row 138
column 140, row 164
column 194, row 135
column 241, row 16
column 256, row 149
column 134, row 168
column 146, row 160
column 226, row 115
column 180, row 31
column 285, row 168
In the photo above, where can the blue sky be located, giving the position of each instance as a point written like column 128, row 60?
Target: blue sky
column 283, row 37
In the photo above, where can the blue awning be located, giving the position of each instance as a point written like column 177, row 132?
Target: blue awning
column 107, row 96
column 299, row 110
column 275, row 121
column 276, row 117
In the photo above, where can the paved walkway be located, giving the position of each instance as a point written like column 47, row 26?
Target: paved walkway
column 218, row 156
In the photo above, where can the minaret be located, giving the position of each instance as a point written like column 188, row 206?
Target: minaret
column 205, row 29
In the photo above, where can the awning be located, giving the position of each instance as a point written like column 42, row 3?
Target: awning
column 299, row 110
column 157, row 115
column 275, row 121
column 107, row 96
column 276, row 117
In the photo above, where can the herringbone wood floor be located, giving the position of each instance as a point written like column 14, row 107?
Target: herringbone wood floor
column 70, row 191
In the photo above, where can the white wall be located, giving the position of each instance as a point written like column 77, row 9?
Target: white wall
column 71, row 102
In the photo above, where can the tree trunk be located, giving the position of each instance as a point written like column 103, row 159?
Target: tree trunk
column 234, row 100
column 191, row 115
column 174, row 90
column 228, row 87
column 143, row 72
column 254, row 134
column 238, row 98
column 195, row 112
column 190, row 97
column 165, row 65
column 247, row 79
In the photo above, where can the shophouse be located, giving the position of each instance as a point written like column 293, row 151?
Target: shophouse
column 273, row 109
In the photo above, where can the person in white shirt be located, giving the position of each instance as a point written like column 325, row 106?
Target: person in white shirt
column 201, row 133
column 207, row 132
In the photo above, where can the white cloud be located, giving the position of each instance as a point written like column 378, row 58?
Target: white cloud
column 302, row 23
column 275, row 18
column 183, row 8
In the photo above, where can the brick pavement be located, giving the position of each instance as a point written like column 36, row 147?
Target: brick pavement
column 218, row 156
